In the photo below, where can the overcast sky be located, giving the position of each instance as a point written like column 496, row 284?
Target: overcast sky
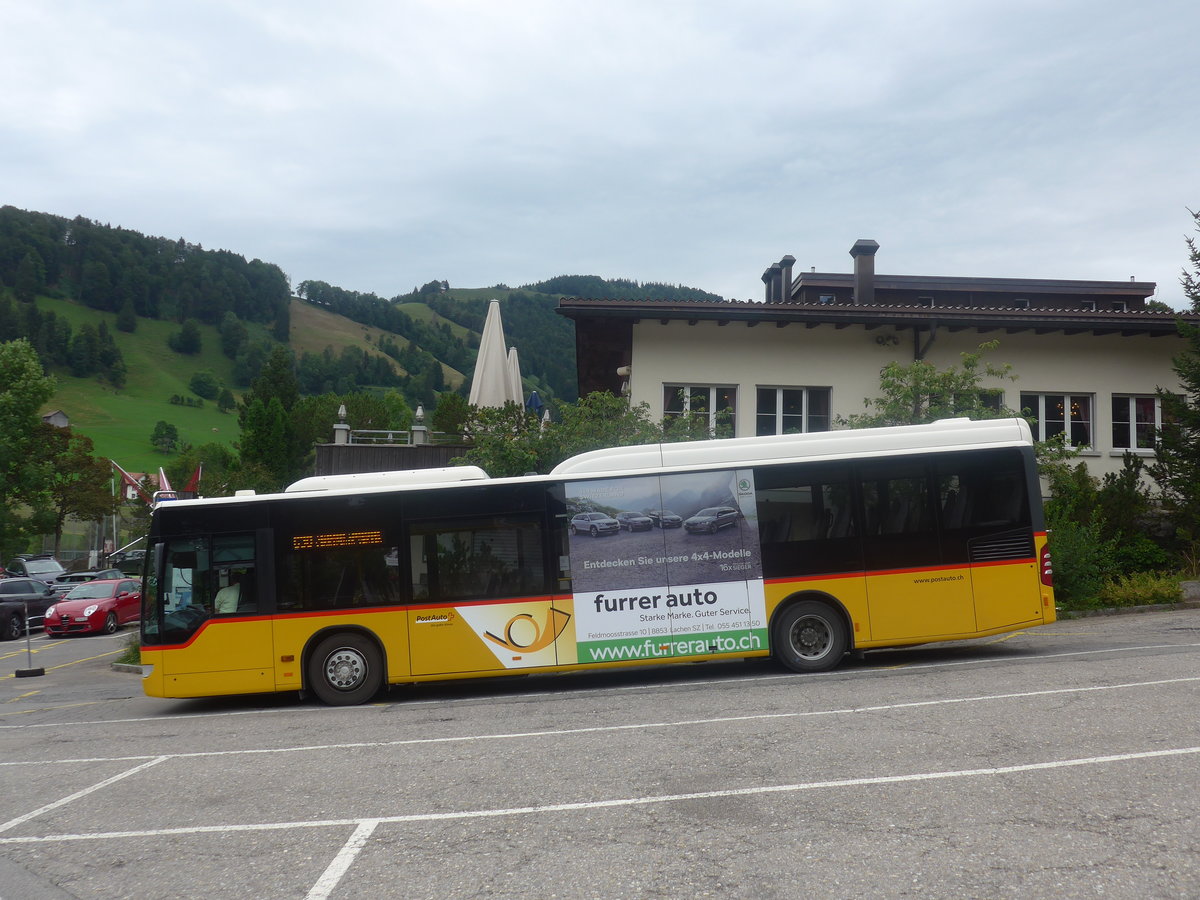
column 382, row 145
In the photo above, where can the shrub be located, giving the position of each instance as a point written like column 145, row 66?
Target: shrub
column 1140, row 589
column 1082, row 562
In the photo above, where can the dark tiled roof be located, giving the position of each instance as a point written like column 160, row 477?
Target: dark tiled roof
column 1141, row 321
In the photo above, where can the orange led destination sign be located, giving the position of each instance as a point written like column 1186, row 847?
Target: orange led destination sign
column 338, row 539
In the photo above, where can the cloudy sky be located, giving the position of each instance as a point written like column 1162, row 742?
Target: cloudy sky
column 381, row 145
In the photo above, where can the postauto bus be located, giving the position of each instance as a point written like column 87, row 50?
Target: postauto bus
column 839, row 541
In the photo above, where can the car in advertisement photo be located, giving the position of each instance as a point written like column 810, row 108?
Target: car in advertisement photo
column 635, row 521
column 664, row 518
column 594, row 523
column 711, row 519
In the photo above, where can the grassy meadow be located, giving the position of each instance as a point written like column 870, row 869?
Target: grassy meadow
column 120, row 422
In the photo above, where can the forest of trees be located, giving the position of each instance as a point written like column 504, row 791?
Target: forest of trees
column 111, row 269
column 90, row 351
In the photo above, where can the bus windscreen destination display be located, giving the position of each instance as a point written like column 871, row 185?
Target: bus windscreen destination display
column 681, row 575
column 336, row 539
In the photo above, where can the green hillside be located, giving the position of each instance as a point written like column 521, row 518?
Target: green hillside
column 420, row 344
column 120, row 422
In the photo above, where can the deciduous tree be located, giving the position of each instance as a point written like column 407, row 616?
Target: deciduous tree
column 80, row 484
column 165, row 436
column 919, row 392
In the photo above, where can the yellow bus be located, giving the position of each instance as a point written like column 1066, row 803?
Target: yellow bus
column 802, row 547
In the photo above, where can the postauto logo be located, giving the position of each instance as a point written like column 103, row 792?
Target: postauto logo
column 523, row 634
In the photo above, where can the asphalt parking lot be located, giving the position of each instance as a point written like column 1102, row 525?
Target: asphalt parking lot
column 1063, row 761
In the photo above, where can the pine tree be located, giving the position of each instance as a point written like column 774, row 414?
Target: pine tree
column 1176, row 467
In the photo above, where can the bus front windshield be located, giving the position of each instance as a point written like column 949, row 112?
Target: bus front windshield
column 194, row 579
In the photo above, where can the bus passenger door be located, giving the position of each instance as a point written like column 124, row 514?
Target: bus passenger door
column 479, row 596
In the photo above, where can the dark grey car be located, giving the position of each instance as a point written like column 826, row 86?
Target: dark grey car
column 43, row 568
column 21, row 598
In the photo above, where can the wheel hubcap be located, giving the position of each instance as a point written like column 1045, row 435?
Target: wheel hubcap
column 345, row 669
column 811, row 638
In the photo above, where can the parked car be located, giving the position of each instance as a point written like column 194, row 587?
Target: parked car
column 64, row 583
column 21, row 598
column 594, row 523
column 711, row 519
column 635, row 521
column 102, row 605
column 664, row 518
column 128, row 561
column 42, row 566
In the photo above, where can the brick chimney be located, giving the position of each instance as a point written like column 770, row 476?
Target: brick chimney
column 864, row 252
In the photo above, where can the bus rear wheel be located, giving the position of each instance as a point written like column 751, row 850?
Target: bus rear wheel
column 345, row 670
column 809, row 636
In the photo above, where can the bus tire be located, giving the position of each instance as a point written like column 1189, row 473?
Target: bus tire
column 345, row 669
column 809, row 636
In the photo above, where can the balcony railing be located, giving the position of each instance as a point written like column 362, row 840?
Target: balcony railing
column 381, row 436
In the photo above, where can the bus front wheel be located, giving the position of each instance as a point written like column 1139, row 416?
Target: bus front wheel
column 809, row 636
column 345, row 669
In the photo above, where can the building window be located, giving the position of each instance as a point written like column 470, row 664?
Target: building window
column 1055, row 414
column 792, row 410
column 1021, row 303
column 1135, row 422
column 1089, row 305
column 714, row 404
column 1119, row 306
column 827, row 299
column 925, row 301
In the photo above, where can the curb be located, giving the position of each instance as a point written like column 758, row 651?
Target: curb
column 126, row 667
column 1126, row 610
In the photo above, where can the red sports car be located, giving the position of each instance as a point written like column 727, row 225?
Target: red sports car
column 102, row 605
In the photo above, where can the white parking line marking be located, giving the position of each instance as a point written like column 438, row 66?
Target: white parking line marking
column 585, row 691
column 633, row 726
column 12, row 823
column 346, row 856
column 615, row 803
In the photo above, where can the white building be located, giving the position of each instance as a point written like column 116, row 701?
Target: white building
column 1087, row 355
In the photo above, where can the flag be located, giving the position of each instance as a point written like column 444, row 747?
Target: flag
column 193, row 484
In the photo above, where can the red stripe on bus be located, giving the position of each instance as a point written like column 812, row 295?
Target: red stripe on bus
column 351, row 611
column 830, row 576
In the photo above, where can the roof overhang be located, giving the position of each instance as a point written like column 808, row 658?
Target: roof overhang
column 1152, row 323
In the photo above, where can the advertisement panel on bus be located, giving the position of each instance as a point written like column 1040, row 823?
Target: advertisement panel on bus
column 686, row 583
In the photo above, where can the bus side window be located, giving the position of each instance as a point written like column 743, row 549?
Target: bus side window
column 465, row 559
column 805, row 520
column 340, row 576
column 898, row 512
